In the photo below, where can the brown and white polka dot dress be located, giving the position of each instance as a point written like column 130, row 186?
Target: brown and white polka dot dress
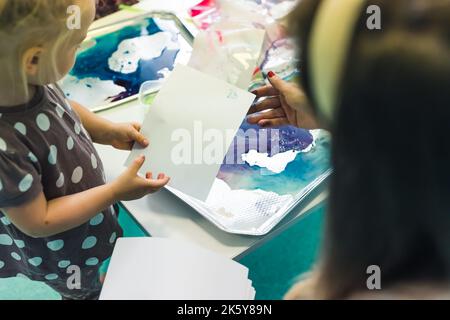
column 44, row 148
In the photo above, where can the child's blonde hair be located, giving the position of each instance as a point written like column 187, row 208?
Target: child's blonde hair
column 29, row 23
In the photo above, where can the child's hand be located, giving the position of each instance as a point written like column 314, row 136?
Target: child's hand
column 285, row 104
column 124, row 135
column 129, row 186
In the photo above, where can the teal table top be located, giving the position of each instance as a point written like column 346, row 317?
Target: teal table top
column 273, row 267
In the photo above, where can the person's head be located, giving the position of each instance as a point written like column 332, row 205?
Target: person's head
column 389, row 115
column 38, row 43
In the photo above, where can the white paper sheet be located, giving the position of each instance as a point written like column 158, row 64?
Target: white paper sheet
column 193, row 118
column 156, row 269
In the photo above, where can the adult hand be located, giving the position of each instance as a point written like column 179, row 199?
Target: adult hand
column 284, row 104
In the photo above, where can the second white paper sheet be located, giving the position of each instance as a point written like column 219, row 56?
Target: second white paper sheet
column 159, row 269
column 191, row 125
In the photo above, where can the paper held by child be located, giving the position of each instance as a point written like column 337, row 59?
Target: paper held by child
column 159, row 269
column 191, row 124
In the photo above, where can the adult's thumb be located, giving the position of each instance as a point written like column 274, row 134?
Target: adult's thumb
column 277, row 82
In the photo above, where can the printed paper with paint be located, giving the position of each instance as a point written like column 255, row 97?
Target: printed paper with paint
column 191, row 125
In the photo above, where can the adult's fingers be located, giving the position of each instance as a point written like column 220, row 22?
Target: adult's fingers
column 268, row 103
column 272, row 114
column 273, row 123
column 266, row 91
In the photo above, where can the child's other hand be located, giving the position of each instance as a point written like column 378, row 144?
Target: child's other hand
column 285, row 104
column 124, row 135
column 130, row 186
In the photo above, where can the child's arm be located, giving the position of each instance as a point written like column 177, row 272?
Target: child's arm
column 121, row 136
column 41, row 218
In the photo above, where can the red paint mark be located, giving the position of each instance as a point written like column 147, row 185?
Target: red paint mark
column 220, row 35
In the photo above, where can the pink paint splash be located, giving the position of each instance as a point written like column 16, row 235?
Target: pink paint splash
column 202, row 7
column 204, row 13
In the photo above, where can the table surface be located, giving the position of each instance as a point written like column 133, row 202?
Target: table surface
column 163, row 214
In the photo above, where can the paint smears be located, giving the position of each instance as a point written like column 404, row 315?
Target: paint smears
column 103, row 73
column 90, row 91
column 131, row 51
column 277, row 163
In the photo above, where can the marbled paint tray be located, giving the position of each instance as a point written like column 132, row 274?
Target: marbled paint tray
column 253, row 196
column 115, row 60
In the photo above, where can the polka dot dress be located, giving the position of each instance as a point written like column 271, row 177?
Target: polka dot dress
column 44, row 148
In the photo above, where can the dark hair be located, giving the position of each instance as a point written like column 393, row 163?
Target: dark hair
column 389, row 201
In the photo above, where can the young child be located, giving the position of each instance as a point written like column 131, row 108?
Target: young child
column 56, row 208
column 384, row 94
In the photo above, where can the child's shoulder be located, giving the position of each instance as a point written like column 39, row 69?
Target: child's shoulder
column 19, row 167
column 13, row 142
column 26, row 128
column 43, row 99
column 28, row 137
column 56, row 95
column 16, row 146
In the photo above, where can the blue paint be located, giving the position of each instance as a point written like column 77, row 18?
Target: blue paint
column 299, row 174
column 93, row 62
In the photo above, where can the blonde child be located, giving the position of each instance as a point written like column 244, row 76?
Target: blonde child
column 55, row 206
